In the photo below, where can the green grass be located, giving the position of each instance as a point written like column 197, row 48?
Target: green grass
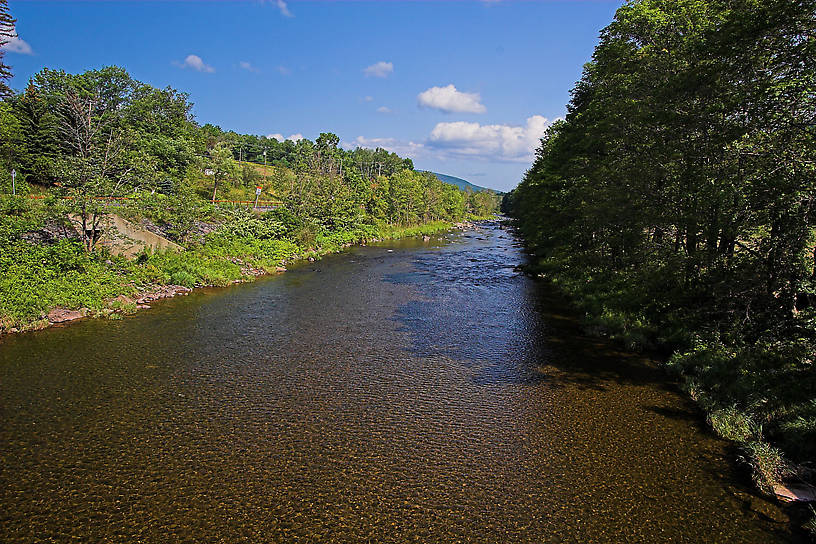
column 34, row 279
column 37, row 278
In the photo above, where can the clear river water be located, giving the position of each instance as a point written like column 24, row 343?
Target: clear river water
column 405, row 392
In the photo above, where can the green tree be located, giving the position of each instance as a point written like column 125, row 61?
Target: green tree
column 7, row 32
column 11, row 142
column 679, row 193
column 223, row 166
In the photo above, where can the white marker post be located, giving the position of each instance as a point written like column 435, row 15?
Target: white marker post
column 13, row 186
column 257, row 194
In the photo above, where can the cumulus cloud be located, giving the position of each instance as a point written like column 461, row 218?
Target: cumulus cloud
column 384, row 109
column 379, row 69
column 16, row 44
column 368, row 98
column 194, row 62
column 248, row 66
column 284, row 71
column 460, row 139
column 449, row 100
column 284, row 9
column 279, row 137
column 501, row 142
column 400, row 147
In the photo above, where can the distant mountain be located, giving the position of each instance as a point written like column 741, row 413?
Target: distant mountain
column 462, row 183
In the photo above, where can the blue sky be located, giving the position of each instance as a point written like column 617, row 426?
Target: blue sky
column 463, row 88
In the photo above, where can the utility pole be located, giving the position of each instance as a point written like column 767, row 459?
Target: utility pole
column 264, row 166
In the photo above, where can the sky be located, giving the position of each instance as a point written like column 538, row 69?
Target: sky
column 464, row 88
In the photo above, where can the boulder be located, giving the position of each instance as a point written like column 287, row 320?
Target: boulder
column 61, row 315
column 795, row 492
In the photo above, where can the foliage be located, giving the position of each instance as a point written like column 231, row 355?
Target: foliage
column 80, row 139
column 7, row 32
column 675, row 202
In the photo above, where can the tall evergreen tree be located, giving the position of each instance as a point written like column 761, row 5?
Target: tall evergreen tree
column 6, row 33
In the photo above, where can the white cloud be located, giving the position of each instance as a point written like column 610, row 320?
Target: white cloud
column 195, row 62
column 463, row 140
column 448, row 99
column 284, row 9
column 284, row 71
column 384, row 109
column 248, row 66
column 369, row 99
column 379, row 69
column 402, row 148
column 16, row 44
column 499, row 142
column 279, row 137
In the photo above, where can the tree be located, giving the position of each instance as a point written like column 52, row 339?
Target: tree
column 96, row 165
column 7, row 32
column 222, row 164
column 11, row 137
column 679, row 195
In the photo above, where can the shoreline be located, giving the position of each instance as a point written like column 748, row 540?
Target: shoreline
column 129, row 304
column 794, row 493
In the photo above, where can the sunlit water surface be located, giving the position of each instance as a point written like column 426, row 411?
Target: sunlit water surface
column 413, row 391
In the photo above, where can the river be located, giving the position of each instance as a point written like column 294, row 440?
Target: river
column 408, row 391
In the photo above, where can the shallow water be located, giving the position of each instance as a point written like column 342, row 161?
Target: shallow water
column 405, row 392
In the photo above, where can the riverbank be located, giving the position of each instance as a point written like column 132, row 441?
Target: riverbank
column 52, row 283
column 428, row 393
column 773, row 472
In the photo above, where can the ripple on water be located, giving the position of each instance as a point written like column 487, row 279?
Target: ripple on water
column 407, row 392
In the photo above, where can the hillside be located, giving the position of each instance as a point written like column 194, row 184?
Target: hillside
column 462, row 183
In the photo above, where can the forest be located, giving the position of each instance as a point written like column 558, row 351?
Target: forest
column 82, row 145
column 675, row 205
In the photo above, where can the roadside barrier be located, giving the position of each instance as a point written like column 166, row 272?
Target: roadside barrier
column 262, row 204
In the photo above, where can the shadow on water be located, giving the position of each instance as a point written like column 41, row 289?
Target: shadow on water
column 411, row 391
column 492, row 318
column 518, row 332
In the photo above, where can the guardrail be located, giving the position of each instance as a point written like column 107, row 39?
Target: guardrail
column 261, row 204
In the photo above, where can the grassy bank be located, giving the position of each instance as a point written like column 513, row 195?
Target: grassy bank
column 753, row 393
column 37, row 275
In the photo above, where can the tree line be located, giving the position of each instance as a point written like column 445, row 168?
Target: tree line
column 103, row 133
column 677, row 202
